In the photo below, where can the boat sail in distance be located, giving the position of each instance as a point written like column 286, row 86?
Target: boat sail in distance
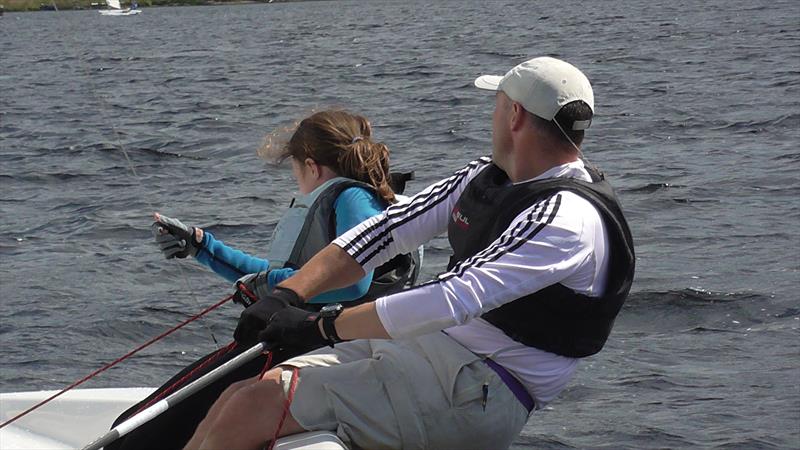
column 114, row 9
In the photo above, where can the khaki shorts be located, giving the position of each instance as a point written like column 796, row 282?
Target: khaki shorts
column 421, row 393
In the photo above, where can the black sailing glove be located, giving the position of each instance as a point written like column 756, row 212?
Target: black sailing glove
column 255, row 317
column 294, row 327
column 175, row 239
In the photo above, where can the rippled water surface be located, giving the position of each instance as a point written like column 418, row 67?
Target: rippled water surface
column 106, row 119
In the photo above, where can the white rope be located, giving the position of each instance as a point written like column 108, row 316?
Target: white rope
column 580, row 153
column 138, row 179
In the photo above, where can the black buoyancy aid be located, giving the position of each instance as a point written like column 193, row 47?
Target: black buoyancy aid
column 555, row 319
column 319, row 229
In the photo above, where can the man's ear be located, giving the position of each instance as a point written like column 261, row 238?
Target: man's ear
column 518, row 116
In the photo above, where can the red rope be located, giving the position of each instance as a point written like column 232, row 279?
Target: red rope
column 267, row 366
column 119, row 360
column 286, row 406
column 189, row 375
column 243, row 288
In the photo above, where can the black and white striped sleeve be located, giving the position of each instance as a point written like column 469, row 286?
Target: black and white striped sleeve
column 544, row 245
column 402, row 227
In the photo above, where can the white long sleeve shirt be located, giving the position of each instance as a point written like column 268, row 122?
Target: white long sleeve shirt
column 559, row 239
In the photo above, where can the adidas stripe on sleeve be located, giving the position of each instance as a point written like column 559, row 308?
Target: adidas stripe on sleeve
column 542, row 246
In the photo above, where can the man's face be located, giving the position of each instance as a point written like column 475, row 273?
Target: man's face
column 501, row 134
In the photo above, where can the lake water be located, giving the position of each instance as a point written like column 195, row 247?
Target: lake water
column 106, row 119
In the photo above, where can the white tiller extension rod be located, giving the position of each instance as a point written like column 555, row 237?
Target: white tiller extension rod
column 164, row 404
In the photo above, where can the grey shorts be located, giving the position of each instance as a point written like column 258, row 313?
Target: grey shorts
column 421, row 393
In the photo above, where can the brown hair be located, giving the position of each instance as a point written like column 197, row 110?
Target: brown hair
column 341, row 141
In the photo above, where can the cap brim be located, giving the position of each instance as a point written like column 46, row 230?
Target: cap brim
column 488, row 82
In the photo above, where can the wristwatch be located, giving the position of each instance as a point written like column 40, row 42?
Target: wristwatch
column 328, row 315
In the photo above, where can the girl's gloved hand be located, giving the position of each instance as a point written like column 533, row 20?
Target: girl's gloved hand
column 251, row 287
column 175, row 239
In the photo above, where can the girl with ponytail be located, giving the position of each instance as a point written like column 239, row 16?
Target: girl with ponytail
column 343, row 177
column 341, row 142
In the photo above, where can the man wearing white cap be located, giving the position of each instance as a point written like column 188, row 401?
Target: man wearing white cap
column 542, row 262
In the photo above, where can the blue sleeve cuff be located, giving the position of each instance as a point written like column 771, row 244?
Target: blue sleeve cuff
column 228, row 262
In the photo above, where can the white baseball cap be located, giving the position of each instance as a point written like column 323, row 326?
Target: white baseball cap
column 543, row 85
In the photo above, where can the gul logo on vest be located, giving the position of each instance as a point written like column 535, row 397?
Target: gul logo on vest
column 459, row 219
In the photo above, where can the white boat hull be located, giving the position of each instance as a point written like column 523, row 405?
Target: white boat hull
column 120, row 12
column 80, row 416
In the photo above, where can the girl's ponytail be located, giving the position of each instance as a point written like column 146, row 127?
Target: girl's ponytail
column 368, row 162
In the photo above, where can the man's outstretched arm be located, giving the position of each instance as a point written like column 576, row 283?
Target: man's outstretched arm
column 333, row 268
column 399, row 229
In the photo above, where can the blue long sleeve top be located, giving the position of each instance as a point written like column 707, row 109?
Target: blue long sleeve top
column 353, row 206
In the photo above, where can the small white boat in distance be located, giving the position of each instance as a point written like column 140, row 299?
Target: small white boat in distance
column 114, row 9
column 78, row 417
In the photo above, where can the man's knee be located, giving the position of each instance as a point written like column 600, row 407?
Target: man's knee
column 231, row 390
column 265, row 393
column 235, row 387
column 255, row 406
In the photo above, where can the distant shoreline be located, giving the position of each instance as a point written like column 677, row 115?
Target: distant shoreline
column 68, row 5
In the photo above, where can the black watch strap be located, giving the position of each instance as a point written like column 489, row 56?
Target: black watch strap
column 328, row 316
column 329, row 328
